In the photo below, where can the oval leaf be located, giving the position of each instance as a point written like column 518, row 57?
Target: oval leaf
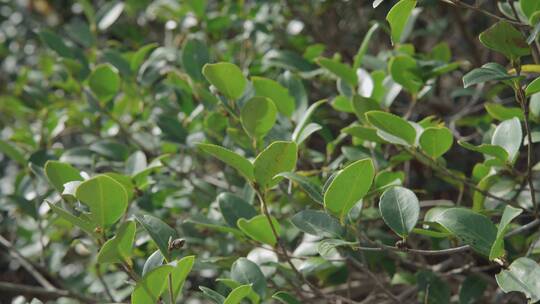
column 226, row 77
column 400, row 209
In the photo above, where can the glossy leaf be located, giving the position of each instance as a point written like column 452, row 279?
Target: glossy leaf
column 523, row 276
column 405, row 72
column 488, row 72
column 152, row 285
column 271, row 89
column 247, row 272
column 104, row 82
column 533, row 87
column 259, row 229
column 470, row 227
column 279, row 156
column 180, row 273
column 234, row 208
column 398, row 16
column 317, row 223
column 348, row 187
column 504, row 38
column 258, row 116
column 395, row 126
column 59, row 173
column 510, row 213
column 509, row 136
column 238, row 162
column 226, row 77
column 341, row 70
column 312, row 189
column 159, row 232
column 106, row 198
column 237, row 294
column 436, row 141
column 118, row 249
column 400, row 209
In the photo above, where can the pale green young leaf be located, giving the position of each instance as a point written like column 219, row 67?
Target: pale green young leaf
column 104, row 82
column 533, row 87
column 271, row 89
column 435, row 141
column 259, row 229
column 258, row 116
column 339, row 69
column 151, row 286
column 398, row 16
column 118, row 249
column 226, row 77
column 237, row 294
column 180, row 273
column 279, row 156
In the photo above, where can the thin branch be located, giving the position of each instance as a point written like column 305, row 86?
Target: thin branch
column 42, row 293
column 461, row 4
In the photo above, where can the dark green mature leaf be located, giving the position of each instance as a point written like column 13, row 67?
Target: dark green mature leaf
column 400, row 130
column 400, row 209
column 317, row 223
column 497, row 250
column 244, row 166
column 104, row 82
column 152, row 285
column 279, row 156
column 234, row 208
column 226, row 77
column 271, row 89
column 247, row 272
column 348, row 187
column 56, row 43
column 488, row 72
column 312, row 189
column 80, row 222
column 472, row 289
column 398, row 16
column 523, row 275
column 435, row 141
column 59, row 173
column 472, row 228
column 433, row 288
column 106, row 198
column 258, row 116
column 404, row 71
column 194, row 56
column 259, row 229
column 285, row 298
column 502, row 37
column 118, row 249
column 159, row 232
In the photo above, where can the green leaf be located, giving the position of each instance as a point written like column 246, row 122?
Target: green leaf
column 56, row 43
column 118, row 249
column 341, row 70
column 363, row 133
column 400, row 209
column 433, row 289
column 533, row 87
column 523, row 275
column 106, row 198
column 234, row 208
column 488, row 72
column 104, row 82
column 510, row 213
column 502, row 37
column 398, row 16
column 247, row 272
column 327, row 248
column 279, row 156
column 312, row 189
column 361, row 105
column 317, row 223
column 269, row 88
column 509, row 136
column 11, row 151
column 59, row 173
column 529, row 7
column 213, row 295
column 472, row 289
column 258, row 116
column 501, row 112
column 226, row 77
column 80, row 222
column 348, row 187
column 154, row 260
column 395, row 126
column 151, row 286
column 364, row 46
column 194, row 56
column 159, row 232
column 285, row 298
column 491, row 150
column 238, row 294
column 180, row 273
column 140, row 54
column 238, row 162
column 200, row 220
column 470, row 227
column 404, row 71
column 303, row 122
column 108, row 14
column 435, row 141
column 259, row 229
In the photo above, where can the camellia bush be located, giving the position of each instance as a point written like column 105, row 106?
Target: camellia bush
column 269, row 151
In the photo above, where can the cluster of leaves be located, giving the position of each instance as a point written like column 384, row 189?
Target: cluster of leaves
column 249, row 165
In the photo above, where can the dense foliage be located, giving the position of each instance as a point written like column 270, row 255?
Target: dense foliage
column 327, row 151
